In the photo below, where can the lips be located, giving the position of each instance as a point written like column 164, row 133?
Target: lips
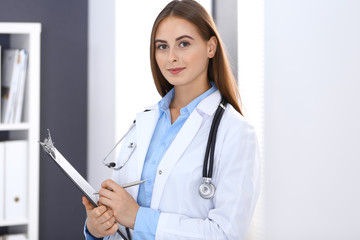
column 175, row 70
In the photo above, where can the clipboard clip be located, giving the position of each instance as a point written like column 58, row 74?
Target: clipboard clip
column 48, row 146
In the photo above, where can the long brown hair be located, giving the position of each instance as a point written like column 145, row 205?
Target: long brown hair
column 219, row 70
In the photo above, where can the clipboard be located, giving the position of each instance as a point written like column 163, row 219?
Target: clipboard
column 70, row 171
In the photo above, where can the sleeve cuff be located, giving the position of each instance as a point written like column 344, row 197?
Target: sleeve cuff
column 146, row 223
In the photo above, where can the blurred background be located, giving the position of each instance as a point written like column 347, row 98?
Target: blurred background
column 298, row 67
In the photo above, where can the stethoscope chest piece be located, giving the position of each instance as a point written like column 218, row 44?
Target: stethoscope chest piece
column 207, row 189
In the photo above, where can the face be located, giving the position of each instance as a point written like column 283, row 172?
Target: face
column 181, row 53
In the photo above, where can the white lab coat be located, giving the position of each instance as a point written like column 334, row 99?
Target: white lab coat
column 184, row 214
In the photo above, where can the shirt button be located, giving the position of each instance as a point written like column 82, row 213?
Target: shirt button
column 160, row 172
column 153, row 162
column 163, row 143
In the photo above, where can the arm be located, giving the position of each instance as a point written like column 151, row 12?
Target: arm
column 146, row 223
column 127, row 211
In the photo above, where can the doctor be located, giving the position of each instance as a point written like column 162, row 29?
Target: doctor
column 192, row 74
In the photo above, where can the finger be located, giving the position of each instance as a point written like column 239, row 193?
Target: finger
column 87, row 204
column 106, row 202
column 107, row 216
column 110, row 184
column 107, row 183
column 109, row 223
column 97, row 212
column 104, row 192
column 112, row 230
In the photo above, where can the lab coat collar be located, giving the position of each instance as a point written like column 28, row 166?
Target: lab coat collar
column 210, row 104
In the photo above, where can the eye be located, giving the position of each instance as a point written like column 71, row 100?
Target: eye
column 184, row 44
column 162, row 46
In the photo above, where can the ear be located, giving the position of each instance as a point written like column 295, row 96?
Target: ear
column 212, row 45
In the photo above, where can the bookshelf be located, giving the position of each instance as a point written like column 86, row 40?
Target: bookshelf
column 26, row 36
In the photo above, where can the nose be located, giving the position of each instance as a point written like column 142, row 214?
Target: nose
column 172, row 56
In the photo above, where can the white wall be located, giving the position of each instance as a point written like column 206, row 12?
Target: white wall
column 312, row 116
column 251, row 80
column 101, row 85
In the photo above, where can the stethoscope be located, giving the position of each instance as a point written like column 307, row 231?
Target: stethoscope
column 206, row 188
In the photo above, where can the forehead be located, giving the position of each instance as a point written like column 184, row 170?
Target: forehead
column 173, row 27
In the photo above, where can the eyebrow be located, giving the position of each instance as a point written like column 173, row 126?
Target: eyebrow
column 183, row 36
column 177, row 39
column 161, row 41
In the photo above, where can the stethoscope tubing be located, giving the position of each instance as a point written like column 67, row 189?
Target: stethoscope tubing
column 213, row 142
column 112, row 164
column 210, row 147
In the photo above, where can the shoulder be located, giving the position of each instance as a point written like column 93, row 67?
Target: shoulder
column 234, row 125
column 235, row 120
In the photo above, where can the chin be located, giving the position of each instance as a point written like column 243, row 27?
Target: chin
column 176, row 81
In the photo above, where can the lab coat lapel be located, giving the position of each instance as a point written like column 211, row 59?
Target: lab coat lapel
column 208, row 107
column 172, row 155
column 145, row 126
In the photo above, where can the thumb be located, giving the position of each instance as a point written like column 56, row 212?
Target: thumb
column 88, row 205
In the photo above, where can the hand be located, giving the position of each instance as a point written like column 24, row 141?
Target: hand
column 120, row 202
column 101, row 220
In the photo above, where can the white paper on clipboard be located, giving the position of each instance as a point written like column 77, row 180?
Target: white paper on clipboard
column 69, row 170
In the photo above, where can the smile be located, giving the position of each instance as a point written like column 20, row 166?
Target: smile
column 175, row 70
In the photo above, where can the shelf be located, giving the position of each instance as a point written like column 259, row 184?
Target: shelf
column 14, row 126
column 16, row 28
column 23, row 36
column 14, row 222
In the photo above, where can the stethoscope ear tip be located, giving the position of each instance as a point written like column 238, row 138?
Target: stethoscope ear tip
column 110, row 165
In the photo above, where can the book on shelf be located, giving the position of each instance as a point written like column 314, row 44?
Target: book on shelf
column 19, row 99
column 2, row 181
column 14, row 175
column 14, row 65
column 14, row 237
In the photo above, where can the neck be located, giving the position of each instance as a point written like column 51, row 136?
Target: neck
column 186, row 94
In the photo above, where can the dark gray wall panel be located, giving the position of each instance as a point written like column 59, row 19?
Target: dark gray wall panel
column 63, row 105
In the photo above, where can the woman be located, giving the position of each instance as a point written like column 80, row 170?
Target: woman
column 192, row 74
